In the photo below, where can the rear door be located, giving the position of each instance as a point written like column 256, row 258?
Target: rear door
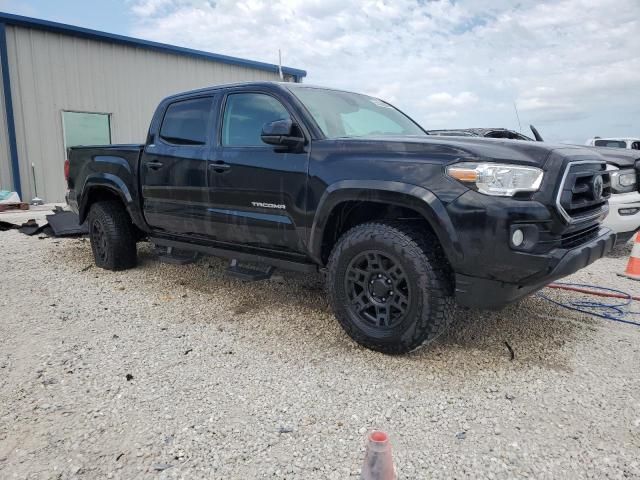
column 174, row 167
column 257, row 190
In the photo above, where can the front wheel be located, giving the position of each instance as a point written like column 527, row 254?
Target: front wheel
column 389, row 286
column 113, row 237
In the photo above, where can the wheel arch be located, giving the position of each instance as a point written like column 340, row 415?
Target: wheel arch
column 104, row 186
column 389, row 194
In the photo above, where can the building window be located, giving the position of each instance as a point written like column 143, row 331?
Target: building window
column 84, row 128
column 187, row 122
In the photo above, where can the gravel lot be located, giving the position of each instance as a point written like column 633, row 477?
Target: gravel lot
column 179, row 372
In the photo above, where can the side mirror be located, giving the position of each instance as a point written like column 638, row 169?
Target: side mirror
column 283, row 133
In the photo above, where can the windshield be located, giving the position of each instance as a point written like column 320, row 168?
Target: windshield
column 344, row 114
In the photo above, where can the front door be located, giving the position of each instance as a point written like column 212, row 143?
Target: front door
column 174, row 168
column 258, row 192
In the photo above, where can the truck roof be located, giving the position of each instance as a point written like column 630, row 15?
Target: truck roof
column 264, row 83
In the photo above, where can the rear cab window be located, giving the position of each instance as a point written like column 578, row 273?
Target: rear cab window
column 187, row 122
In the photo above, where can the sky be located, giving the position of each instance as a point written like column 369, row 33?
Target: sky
column 570, row 67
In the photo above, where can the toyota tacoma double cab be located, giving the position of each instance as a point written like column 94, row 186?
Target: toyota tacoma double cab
column 403, row 224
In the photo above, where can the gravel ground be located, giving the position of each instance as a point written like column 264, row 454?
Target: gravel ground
column 179, row 372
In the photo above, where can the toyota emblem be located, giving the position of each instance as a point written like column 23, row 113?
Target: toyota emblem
column 598, row 187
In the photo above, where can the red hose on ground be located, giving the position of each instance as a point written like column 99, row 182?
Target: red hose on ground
column 591, row 292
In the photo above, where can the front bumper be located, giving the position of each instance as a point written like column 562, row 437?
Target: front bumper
column 486, row 293
column 623, row 225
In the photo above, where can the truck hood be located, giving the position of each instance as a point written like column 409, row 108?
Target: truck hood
column 476, row 148
column 619, row 157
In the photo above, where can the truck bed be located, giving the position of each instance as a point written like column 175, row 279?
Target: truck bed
column 115, row 165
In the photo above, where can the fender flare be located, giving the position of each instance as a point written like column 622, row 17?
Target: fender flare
column 107, row 181
column 389, row 192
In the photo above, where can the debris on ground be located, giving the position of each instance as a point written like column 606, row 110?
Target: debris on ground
column 14, row 206
column 11, row 201
column 4, row 226
column 8, row 197
column 65, row 223
column 512, row 354
column 31, row 227
column 61, row 223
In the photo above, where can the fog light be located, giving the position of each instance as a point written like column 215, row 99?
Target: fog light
column 517, row 238
column 628, row 211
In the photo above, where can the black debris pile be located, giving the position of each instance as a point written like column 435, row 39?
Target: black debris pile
column 66, row 224
column 4, row 226
column 61, row 223
column 31, row 227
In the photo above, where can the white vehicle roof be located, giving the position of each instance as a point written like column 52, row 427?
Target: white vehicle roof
column 630, row 142
column 617, row 139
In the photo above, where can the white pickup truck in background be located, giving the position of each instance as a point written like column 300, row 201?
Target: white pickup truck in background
column 628, row 143
column 624, row 204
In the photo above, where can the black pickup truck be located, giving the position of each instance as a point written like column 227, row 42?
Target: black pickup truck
column 305, row 178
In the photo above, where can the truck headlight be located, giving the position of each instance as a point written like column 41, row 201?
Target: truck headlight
column 623, row 180
column 497, row 179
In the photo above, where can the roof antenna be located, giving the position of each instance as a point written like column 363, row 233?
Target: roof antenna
column 517, row 116
column 280, row 65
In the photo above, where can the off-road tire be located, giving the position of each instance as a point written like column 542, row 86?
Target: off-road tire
column 113, row 236
column 428, row 275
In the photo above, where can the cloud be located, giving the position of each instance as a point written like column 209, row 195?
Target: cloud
column 570, row 66
column 447, row 100
column 147, row 8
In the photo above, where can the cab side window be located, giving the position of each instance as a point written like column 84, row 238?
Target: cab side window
column 635, row 145
column 187, row 122
column 244, row 116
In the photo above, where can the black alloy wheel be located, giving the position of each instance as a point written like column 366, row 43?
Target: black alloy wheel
column 377, row 288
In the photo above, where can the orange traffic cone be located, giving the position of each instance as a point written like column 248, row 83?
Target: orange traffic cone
column 633, row 267
column 378, row 461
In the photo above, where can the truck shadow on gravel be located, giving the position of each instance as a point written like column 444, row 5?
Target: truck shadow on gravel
column 292, row 307
column 531, row 332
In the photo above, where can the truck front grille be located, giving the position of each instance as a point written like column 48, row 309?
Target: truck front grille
column 584, row 191
column 577, row 238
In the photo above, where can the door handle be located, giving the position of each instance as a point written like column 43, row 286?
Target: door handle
column 154, row 165
column 219, row 167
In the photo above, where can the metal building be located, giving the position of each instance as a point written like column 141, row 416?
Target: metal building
column 64, row 85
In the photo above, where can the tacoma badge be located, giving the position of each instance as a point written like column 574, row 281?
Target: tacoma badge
column 269, row 205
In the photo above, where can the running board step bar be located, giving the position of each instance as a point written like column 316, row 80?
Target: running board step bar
column 176, row 257
column 248, row 274
column 234, row 254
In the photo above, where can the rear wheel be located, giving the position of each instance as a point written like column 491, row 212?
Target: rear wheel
column 389, row 286
column 113, row 236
